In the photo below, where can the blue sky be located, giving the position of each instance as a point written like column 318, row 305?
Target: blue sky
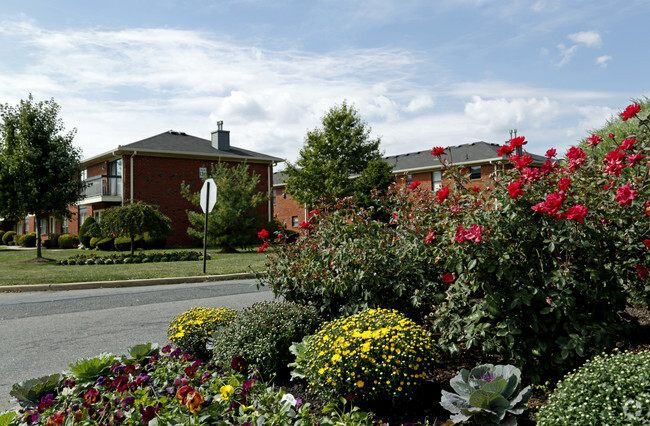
column 422, row 73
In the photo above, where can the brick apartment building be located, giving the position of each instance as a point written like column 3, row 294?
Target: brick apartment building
column 477, row 159
column 151, row 170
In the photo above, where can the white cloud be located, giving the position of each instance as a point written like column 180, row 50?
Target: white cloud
column 603, row 61
column 119, row 86
column 500, row 114
column 588, row 38
column 419, row 103
column 567, row 53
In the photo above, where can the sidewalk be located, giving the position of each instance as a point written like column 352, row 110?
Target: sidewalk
column 125, row 283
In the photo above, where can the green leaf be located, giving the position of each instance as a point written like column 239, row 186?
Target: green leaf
column 6, row 418
column 33, row 390
column 489, row 400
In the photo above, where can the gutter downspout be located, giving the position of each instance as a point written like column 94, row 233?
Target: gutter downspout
column 122, row 180
column 131, row 182
column 268, row 181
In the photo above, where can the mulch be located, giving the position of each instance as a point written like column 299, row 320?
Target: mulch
column 426, row 408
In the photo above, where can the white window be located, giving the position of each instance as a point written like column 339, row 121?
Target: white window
column 98, row 215
column 26, row 225
column 43, row 226
column 294, row 221
column 83, row 213
column 203, row 172
column 64, row 226
column 436, row 180
column 475, row 172
column 274, row 196
column 52, row 225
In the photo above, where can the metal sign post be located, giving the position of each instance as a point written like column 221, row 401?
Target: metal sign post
column 208, row 200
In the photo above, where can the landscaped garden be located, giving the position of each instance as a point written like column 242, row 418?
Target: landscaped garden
column 18, row 267
column 524, row 301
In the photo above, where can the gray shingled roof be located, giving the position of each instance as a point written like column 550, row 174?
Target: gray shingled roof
column 179, row 142
column 476, row 152
column 472, row 153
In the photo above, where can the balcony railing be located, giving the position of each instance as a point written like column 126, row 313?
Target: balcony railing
column 103, row 185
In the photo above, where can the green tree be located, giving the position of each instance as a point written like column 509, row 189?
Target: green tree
column 134, row 219
column 39, row 172
column 232, row 223
column 338, row 160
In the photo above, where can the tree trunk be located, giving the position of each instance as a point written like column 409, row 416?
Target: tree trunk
column 37, row 219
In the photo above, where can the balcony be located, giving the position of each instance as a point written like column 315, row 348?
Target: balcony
column 102, row 189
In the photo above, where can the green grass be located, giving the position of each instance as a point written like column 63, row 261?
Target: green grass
column 15, row 267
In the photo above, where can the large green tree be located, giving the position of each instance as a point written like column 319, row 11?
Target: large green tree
column 232, row 222
column 338, row 160
column 133, row 219
column 39, row 170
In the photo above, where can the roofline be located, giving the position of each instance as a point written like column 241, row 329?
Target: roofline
column 437, row 166
column 440, row 166
column 182, row 154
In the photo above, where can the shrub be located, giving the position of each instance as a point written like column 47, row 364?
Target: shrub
column 90, row 228
column 378, row 355
column 151, row 242
column 1, row 235
column 27, row 240
column 122, row 243
column 489, row 394
column 105, row 244
column 191, row 330
column 52, row 241
column 67, row 241
column 93, row 242
column 344, row 266
column 263, row 333
column 610, row 389
column 8, row 237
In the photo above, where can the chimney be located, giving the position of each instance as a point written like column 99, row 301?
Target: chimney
column 221, row 138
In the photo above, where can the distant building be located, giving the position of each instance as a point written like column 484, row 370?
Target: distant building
column 477, row 159
column 151, row 170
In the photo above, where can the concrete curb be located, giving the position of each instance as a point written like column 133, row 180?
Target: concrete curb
column 125, row 283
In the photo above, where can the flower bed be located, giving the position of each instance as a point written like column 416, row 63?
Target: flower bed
column 112, row 259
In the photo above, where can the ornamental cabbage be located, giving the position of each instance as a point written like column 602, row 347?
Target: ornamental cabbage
column 489, row 394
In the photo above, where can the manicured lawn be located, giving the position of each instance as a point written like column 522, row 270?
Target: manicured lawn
column 15, row 267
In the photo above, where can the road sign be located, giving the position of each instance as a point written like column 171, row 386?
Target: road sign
column 208, row 195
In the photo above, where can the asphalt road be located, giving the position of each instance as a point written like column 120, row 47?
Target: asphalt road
column 41, row 333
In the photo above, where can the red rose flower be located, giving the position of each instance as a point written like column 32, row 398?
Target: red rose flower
column 625, row 195
column 642, row 271
column 263, row 234
column 518, row 141
column 594, row 140
column 442, row 194
column 576, row 213
column 634, row 158
column 438, row 151
column 576, row 157
column 430, row 237
column 564, row 183
column 262, row 247
column 627, row 144
column 448, row 278
column 630, row 111
column 647, row 243
column 505, row 150
column 551, row 153
column 414, row 184
column 514, row 189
